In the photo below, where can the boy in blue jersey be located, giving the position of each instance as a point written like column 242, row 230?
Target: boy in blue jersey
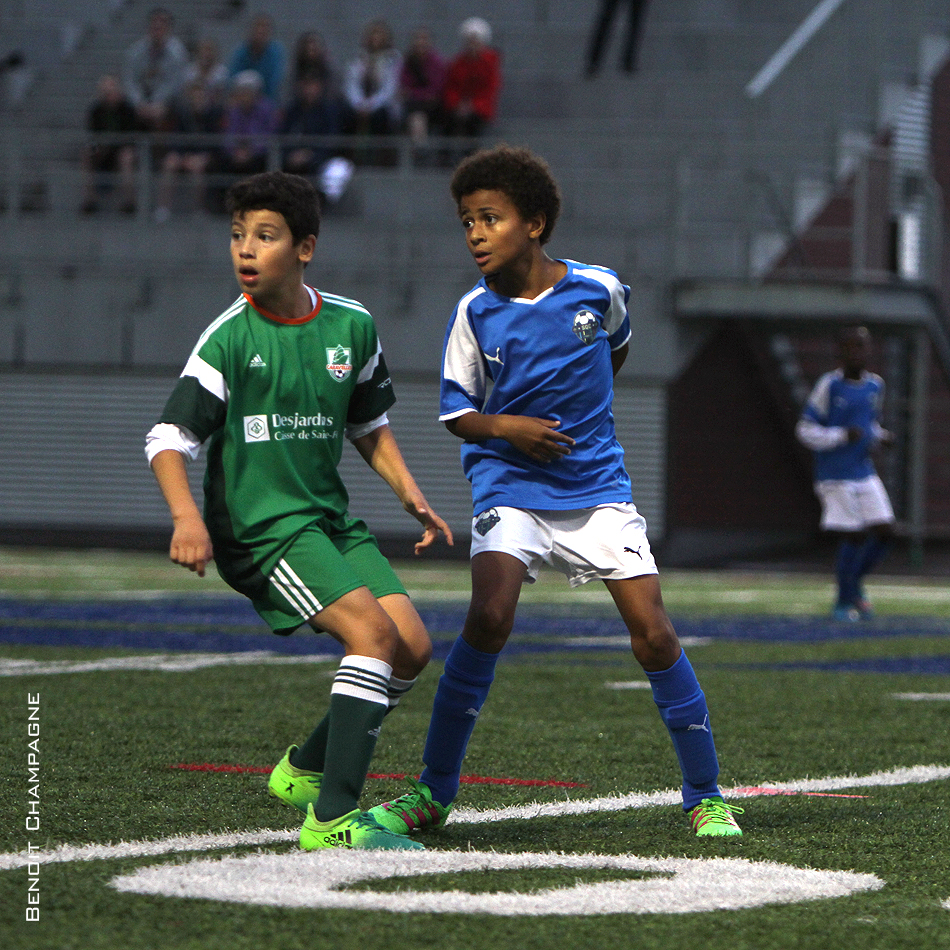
column 841, row 425
column 527, row 382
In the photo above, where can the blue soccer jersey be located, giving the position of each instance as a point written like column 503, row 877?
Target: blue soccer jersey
column 548, row 358
column 837, row 403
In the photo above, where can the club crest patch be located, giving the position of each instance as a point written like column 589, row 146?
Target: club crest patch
column 585, row 327
column 486, row 521
column 338, row 362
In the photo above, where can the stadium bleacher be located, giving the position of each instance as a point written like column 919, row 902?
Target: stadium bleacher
column 673, row 174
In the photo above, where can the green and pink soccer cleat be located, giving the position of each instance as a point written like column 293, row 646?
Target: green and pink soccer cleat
column 712, row 817
column 414, row 811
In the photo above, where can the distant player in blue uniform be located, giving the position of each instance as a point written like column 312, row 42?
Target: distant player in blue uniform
column 527, row 383
column 841, row 425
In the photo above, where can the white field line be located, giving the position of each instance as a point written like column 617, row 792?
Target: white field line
column 923, row 697
column 622, row 641
column 161, row 662
column 913, row 775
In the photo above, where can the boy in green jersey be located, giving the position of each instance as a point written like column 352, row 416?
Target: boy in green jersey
column 275, row 384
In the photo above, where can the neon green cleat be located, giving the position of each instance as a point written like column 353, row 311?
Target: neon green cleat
column 297, row 787
column 355, row 829
column 414, row 811
column 712, row 817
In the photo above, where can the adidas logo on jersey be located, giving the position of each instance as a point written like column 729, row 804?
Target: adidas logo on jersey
column 256, row 362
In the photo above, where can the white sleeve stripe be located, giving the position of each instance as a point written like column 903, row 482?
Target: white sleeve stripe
column 624, row 342
column 208, row 377
column 448, row 416
column 463, row 363
column 613, row 319
column 366, row 373
column 820, row 398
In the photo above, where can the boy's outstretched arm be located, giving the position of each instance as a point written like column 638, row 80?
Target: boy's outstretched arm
column 191, row 543
column 381, row 452
column 537, row 438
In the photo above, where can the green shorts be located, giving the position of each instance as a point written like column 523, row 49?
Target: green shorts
column 313, row 569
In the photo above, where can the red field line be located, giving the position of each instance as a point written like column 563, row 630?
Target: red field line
column 766, row 790
column 465, row 779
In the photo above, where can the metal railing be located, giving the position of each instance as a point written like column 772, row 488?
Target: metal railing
column 31, row 161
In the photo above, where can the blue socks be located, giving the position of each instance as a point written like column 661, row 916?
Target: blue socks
column 682, row 707
column 869, row 556
column 463, row 689
column 854, row 561
column 846, row 570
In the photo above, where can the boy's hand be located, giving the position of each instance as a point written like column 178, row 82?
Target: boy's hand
column 191, row 545
column 537, row 438
column 432, row 523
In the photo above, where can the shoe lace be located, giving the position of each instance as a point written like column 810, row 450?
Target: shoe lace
column 410, row 799
column 719, row 810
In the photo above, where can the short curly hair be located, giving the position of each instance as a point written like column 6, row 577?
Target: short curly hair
column 516, row 172
column 293, row 196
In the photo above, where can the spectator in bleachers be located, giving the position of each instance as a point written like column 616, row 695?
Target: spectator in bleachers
column 316, row 110
column 312, row 111
column 110, row 112
column 311, row 58
column 473, row 81
column 207, row 69
column 264, row 54
column 154, row 70
column 372, row 82
column 249, row 125
column 421, row 82
column 194, row 112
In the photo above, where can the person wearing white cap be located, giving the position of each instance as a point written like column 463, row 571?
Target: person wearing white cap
column 473, row 81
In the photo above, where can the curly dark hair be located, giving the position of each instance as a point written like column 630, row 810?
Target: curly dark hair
column 290, row 195
column 516, row 172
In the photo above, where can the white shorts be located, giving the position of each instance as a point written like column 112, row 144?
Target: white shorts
column 853, row 505
column 608, row 542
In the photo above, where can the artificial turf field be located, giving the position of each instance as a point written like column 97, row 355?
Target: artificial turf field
column 160, row 701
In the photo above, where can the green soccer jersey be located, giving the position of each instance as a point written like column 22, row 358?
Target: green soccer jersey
column 274, row 397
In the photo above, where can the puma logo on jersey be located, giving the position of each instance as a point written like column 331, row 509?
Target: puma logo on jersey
column 256, row 362
column 634, row 551
column 472, row 711
column 496, row 358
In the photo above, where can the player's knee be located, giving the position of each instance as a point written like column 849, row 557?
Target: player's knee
column 377, row 636
column 655, row 644
column 488, row 626
column 412, row 656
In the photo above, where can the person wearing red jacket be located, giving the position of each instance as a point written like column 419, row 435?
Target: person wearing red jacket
column 473, row 81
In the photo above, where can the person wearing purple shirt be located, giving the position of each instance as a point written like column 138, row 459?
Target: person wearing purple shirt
column 249, row 125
